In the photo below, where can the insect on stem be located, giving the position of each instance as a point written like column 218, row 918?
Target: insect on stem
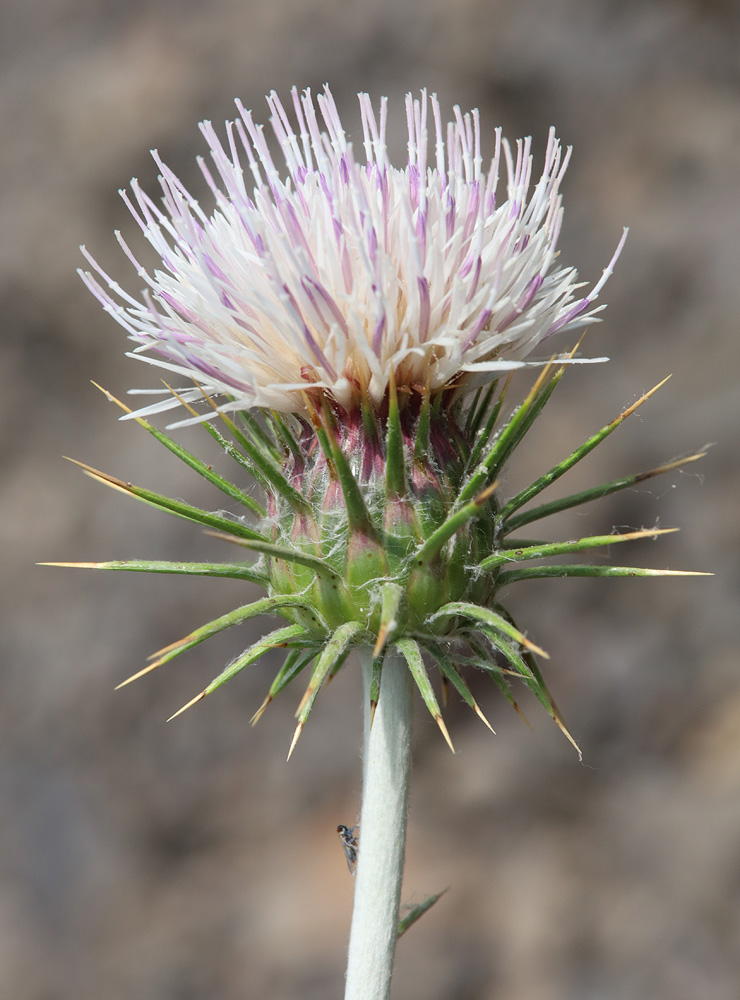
column 349, row 835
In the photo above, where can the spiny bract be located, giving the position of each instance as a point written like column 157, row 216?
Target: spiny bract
column 391, row 535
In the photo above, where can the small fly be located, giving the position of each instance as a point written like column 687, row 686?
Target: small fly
column 349, row 835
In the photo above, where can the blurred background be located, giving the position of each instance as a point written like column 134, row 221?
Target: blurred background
column 188, row 861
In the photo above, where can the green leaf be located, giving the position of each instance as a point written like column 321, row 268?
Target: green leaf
column 417, row 911
column 334, row 652
column 432, row 546
column 562, row 467
column 483, row 662
column 273, row 476
column 258, row 435
column 283, row 432
column 395, row 472
column 483, row 403
column 391, row 599
column 228, row 446
column 176, row 507
column 189, row 459
column 280, row 637
column 526, row 667
column 521, row 669
column 322, row 569
column 474, row 415
column 519, row 543
column 575, row 569
column 511, row 434
column 357, row 513
column 585, row 496
column 411, row 652
column 264, row 455
column 232, row 451
column 484, row 436
column 236, row 571
column 422, row 443
column 266, row 606
column 555, row 713
column 484, row 616
column 375, row 679
column 546, row 550
column 295, row 662
column 449, row 671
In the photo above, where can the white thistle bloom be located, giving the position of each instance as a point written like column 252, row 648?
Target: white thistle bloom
column 342, row 273
column 364, row 301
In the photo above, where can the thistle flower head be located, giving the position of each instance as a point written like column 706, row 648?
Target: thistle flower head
column 335, row 274
column 353, row 304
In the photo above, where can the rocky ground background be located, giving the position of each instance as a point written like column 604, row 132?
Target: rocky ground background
column 188, row 861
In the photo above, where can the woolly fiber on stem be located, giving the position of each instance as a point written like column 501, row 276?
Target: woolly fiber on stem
column 386, row 767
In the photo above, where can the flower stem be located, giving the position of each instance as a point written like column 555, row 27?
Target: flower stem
column 385, row 785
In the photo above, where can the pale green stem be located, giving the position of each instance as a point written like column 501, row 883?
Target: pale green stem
column 385, row 786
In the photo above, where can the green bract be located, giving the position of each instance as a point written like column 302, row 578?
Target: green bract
column 383, row 529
